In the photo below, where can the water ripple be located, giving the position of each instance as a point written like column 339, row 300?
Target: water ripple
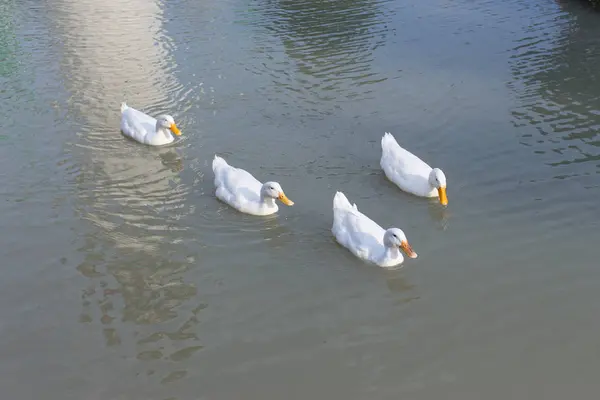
column 105, row 66
column 129, row 191
column 132, row 197
column 329, row 50
column 170, row 292
column 552, row 69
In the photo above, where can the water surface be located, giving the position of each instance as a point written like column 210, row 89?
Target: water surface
column 124, row 278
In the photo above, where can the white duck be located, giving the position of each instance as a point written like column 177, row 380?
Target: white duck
column 365, row 238
column 145, row 129
column 242, row 191
column 409, row 172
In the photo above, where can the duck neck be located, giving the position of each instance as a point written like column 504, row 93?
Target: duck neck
column 390, row 256
column 267, row 201
column 164, row 133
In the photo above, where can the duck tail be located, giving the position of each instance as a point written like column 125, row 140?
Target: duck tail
column 124, row 106
column 218, row 162
column 388, row 140
column 340, row 201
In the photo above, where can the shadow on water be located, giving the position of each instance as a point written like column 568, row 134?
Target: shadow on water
column 329, row 46
column 556, row 76
column 172, row 160
column 441, row 215
column 397, row 283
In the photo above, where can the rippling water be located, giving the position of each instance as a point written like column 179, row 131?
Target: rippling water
column 556, row 104
column 124, row 277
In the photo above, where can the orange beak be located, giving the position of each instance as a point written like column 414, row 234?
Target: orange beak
column 285, row 200
column 443, row 197
column 175, row 129
column 408, row 250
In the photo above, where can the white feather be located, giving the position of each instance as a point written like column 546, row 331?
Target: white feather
column 361, row 235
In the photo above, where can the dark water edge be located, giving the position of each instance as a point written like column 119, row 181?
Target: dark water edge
column 594, row 4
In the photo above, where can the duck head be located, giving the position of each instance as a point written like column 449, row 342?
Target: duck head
column 273, row 190
column 167, row 123
column 395, row 237
column 437, row 180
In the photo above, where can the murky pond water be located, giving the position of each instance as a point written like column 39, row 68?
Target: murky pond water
column 124, row 278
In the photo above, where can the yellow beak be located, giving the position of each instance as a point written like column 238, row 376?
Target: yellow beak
column 175, row 129
column 408, row 250
column 285, row 200
column 443, row 197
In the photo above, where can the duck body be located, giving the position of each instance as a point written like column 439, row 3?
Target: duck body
column 146, row 129
column 409, row 172
column 366, row 239
column 242, row 191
